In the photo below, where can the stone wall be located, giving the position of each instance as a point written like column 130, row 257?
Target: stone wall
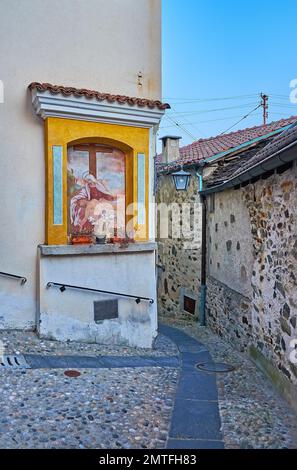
column 272, row 207
column 229, row 314
column 230, row 264
column 252, row 282
column 178, row 257
column 230, row 247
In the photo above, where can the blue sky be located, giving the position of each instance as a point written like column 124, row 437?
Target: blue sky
column 221, row 49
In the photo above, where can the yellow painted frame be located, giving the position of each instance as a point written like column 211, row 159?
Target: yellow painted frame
column 62, row 132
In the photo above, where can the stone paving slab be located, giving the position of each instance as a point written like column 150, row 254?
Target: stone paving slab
column 253, row 414
column 81, row 362
column 183, row 341
column 194, row 385
column 192, row 359
column 194, row 444
column 196, row 418
column 190, row 347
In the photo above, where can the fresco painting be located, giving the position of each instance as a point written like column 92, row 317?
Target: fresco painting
column 96, row 191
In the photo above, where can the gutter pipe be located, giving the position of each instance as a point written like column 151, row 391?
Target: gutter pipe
column 202, row 303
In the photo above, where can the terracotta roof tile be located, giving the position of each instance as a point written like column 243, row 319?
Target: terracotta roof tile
column 229, row 165
column 205, row 148
column 92, row 94
column 278, row 143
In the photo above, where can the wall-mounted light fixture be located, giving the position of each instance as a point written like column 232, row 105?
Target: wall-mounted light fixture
column 181, row 180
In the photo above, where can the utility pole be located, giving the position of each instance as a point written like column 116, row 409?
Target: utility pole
column 264, row 104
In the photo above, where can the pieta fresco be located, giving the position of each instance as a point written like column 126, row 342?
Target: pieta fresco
column 96, row 191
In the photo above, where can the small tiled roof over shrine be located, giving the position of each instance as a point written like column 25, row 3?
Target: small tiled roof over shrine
column 92, row 94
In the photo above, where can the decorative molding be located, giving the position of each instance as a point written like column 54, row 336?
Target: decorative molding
column 84, row 109
column 141, row 189
column 57, row 184
column 70, row 250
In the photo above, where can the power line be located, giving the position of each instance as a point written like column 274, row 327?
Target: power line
column 178, row 101
column 189, row 113
column 281, row 105
column 244, row 117
column 225, row 118
column 279, row 96
column 279, row 114
column 203, row 100
column 180, row 126
column 273, row 113
column 212, row 120
column 182, row 114
column 188, row 122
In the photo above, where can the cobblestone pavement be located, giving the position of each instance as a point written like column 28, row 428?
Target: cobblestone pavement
column 131, row 407
column 118, row 408
column 25, row 342
column 253, row 414
column 102, row 408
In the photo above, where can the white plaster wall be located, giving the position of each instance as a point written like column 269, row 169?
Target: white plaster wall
column 95, row 44
column 232, row 266
column 70, row 315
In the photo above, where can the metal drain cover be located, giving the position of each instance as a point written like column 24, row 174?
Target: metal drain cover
column 72, row 373
column 216, row 367
column 13, row 361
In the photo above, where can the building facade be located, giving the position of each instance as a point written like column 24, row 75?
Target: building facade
column 248, row 240
column 251, row 253
column 77, row 168
column 179, row 254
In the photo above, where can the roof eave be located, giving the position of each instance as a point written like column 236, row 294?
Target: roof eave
column 277, row 159
column 226, row 153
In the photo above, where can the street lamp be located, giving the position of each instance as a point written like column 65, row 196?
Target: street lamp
column 181, row 180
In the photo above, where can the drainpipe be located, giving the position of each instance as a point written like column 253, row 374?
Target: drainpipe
column 200, row 179
column 203, row 253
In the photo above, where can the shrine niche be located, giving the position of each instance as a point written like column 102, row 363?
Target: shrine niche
column 96, row 192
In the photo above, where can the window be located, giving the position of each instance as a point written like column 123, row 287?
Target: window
column 189, row 305
column 96, row 191
column 212, row 203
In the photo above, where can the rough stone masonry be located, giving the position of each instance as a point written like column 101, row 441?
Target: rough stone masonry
column 252, row 272
column 178, row 257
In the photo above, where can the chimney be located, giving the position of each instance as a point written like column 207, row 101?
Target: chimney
column 170, row 148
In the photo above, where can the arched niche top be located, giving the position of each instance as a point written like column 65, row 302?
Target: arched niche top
column 116, row 144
